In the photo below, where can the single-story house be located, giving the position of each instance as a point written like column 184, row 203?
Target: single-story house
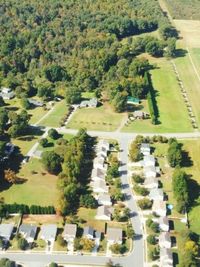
column 151, row 182
column 69, row 232
column 159, row 208
column 149, row 171
column 90, row 103
column 101, row 152
column 7, row 93
column 133, row 100
column 35, row 102
column 164, row 223
column 48, row 232
column 149, row 161
column 97, row 235
column 104, row 199
column 114, row 235
column 104, row 143
column 166, row 257
column 164, row 240
column 156, row 194
column 145, row 149
column 103, row 213
column 88, row 232
column 98, row 174
column 100, row 186
column 28, row 231
column 138, row 114
column 99, row 162
column 6, row 230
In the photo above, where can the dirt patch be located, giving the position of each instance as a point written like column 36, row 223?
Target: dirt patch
column 42, row 219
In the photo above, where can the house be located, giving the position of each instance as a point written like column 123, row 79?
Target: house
column 149, row 161
column 166, row 257
column 159, row 208
column 99, row 163
column 35, row 102
column 6, row 230
column 69, row 232
column 98, row 174
column 133, row 100
column 88, row 232
column 104, row 143
column 91, row 103
column 9, row 149
column 104, row 199
column 149, row 171
column 48, row 232
column 138, row 114
column 164, row 224
column 150, row 182
column 114, row 235
column 100, row 186
column 28, row 231
column 97, row 235
column 7, row 93
column 145, row 149
column 103, row 213
column 101, row 151
column 156, row 194
column 164, row 240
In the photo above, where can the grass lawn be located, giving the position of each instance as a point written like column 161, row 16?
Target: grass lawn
column 60, row 109
column 173, row 114
column 39, row 187
column 195, row 54
column 101, row 119
column 36, row 114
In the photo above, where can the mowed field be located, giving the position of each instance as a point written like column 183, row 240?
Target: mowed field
column 38, row 187
column 173, row 114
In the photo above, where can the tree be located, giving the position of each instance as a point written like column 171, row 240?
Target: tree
column 130, row 232
column 2, row 103
column 10, row 176
column 4, row 262
column 116, row 248
column 22, row 243
column 87, row 244
column 56, row 73
column 3, row 119
column 154, row 48
column 134, row 152
column 168, row 31
column 88, row 201
column 53, row 134
column 151, row 239
column 2, row 148
column 171, row 48
column 43, row 142
column 137, row 179
column 174, row 154
column 51, row 162
column 145, row 203
column 53, row 264
column 119, row 101
column 61, row 241
column 25, row 103
column 73, row 95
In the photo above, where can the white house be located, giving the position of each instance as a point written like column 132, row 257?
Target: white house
column 69, row 232
column 88, row 232
column 164, row 224
column 101, row 152
column 149, row 161
column 48, row 232
column 150, row 183
column 156, row 194
column 145, row 149
column 28, row 231
column 98, row 174
column 6, row 230
column 149, row 171
column 7, row 93
column 104, row 199
column 166, row 257
column 159, row 208
column 90, row 103
column 114, row 235
column 100, row 187
column 99, row 162
column 104, row 143
column 103, row 213
column 164, row 240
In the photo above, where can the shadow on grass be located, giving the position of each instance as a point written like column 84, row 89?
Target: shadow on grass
column 186, row 159
column 180, row 53
column 194, row 191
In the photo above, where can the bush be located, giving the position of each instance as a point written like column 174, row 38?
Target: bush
column 145, row 203
column 137, row 179
column 141, row 190
column 61, row 241
column 151, row 239
column 22, row 243
column 154, row 253
column 88, row 201
column 43, row 142
column 51, row 162
column 149, row 222
column 155, row 227
column 53, row 134
column 53, row 264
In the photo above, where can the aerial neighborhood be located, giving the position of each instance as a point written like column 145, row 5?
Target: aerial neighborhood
column 99, row 133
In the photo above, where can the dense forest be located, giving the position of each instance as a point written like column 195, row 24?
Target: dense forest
column 62, row 48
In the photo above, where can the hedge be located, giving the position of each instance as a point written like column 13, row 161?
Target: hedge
column 25, row 209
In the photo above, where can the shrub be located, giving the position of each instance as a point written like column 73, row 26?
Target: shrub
column 43, row 142
column 53, row 134
column 144, row 203
column 137, row 179
column 151, row 239
column 141, row 190
column 155, row 227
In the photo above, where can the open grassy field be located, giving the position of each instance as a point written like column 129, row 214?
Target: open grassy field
column 60, row 109
column 195, row 54
column 173, row 114
column 38, row 188
column 102, row 118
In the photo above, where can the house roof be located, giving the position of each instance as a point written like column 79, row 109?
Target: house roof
column 149, row 169
column 7, row 93
column 28, row 230
column 159, row 205
column 88, row 231
column 138, row 113
column 164, row 237
column 99, row 160
column 97, row 234
column 6, row 90
column 49, row 231
column 35, row 102
column 103, row 211
column 100, row 184
column 156, row 192
column 150, row 180
column 96, row 172
column 114, row 234
column 166, row 253
column 104, row 197
column 6, row 229
column 70, row 229
column 145, row 146
column 103, row 142
column 163, row 220
column 150, row 158
column 89, row 102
